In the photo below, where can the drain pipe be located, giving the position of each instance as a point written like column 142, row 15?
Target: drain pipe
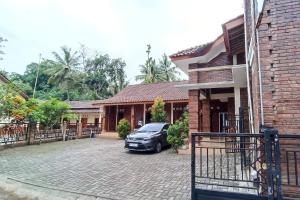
column 260, row 81
column 248, row 79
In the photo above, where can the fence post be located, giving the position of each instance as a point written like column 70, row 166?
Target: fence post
column 277, row 165
column 268, row 137
column 193, row 194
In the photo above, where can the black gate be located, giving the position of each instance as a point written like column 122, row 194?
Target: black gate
column 245, row 166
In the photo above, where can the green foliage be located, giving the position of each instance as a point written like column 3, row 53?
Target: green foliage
column 178, row 132
column 123, row 128
column 14, row 107
column 158, row 113
column 152, row 72
column 73, row 75
column 53, row 112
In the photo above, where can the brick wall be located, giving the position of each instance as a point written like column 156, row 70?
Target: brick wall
column 215, row 76
column 279, row 36
column 194, row 110
column 221, row 60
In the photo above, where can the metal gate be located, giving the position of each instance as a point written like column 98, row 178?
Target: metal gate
column 245, row 166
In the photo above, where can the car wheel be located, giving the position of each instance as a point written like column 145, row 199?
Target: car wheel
column 158, row 147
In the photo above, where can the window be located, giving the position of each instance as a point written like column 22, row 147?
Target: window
column 258, row 6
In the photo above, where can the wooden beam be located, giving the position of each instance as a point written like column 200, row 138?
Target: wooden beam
column 132, row 117
column 172, row 113
column 144, row 114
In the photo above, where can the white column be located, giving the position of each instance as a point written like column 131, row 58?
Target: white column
column 144, row 114
column 237, row 100
column 234, row 57
column 237, row 104
column 172, row 113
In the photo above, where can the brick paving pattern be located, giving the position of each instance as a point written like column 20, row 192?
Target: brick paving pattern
column 98, row 167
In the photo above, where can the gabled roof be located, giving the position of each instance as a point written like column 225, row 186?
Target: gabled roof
column 140, row 93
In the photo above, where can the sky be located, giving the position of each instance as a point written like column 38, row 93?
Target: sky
column 120, row 28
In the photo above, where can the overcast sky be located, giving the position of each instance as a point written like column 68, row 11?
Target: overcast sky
column 121, row 28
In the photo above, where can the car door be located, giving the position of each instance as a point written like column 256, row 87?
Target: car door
column 165, row 134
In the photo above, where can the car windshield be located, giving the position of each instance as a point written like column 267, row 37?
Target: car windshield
column 151, row 128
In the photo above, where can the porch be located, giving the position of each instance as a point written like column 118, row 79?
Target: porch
column 139, row 112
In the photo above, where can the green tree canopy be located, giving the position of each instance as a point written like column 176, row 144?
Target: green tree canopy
column 158, row 113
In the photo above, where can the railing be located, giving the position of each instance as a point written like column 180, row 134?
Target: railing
column 246, row 166
column 22, row 134
column 12, row 133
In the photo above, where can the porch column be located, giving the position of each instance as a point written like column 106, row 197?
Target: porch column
column 206, row 115
column 172, row 113
column 144, row 114
column 117, row 108
column 237, row 100
column 132, row 117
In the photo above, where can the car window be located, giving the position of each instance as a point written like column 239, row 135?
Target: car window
column 165, row 128
column 151, row 128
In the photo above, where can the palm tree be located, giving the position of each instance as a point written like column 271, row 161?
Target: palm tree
column 64, row 68
column 167, row 70
column 150, row 72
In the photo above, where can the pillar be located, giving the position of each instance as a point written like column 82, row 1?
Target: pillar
column 117, row 111
column 206, row 115
column 237, row 100
column 144, row 114
column 172, row 113
column 132, row 117
column 237, row 105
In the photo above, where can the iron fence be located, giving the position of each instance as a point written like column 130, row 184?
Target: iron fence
column 12, row 133
column 245, row 166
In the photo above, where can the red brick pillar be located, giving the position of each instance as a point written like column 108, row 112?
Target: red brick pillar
column 194, row 104
column 79, row 130
column 206, row 115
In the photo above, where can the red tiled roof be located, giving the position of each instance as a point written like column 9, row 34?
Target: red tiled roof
column 83, row 104
column 148, row 93
column 193, row 51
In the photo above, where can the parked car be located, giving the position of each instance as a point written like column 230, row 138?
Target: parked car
column 150, row 137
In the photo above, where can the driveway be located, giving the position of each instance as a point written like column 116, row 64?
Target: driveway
column 96, row 169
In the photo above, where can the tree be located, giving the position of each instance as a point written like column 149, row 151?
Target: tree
column 16, row 108
column 178, row 132
column 167, row 70
column 150, row 72
column 158, row 113
column 53, row 112
column 64, row 69
column 123, row 128
column 116, row 76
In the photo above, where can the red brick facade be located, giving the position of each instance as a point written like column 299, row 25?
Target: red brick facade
column 279, row 37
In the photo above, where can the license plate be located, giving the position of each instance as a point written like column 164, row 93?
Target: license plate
column 133, row 145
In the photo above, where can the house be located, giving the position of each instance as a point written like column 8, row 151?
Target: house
column 217, row 86
column 88, row 113
column 134, row 104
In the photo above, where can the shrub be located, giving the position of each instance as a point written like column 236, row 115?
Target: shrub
column 123, row 128
column 178, row 132
column 158, row 112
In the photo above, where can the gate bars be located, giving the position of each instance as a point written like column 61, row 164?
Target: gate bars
column 262, row 165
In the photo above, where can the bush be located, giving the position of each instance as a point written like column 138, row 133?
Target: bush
column 158, row 112
column 178, row 132
column 123, row 128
